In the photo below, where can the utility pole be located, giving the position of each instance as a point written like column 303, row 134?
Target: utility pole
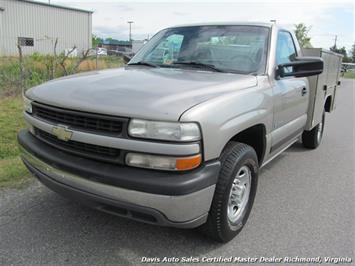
column 335, row 41
column 130, row 30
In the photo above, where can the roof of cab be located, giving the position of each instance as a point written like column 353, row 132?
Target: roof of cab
column 238, row 23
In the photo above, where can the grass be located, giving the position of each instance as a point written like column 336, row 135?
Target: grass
column 41, row 68
column 12, row 172
column 349, row 75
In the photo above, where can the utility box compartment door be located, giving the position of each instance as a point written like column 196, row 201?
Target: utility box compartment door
column 322, row 86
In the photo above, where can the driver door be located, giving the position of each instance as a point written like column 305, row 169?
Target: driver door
column 290, row 97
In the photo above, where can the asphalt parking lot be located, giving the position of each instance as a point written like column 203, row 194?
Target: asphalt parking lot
column 304, row 207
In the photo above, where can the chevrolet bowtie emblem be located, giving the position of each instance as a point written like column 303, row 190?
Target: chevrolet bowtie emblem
column 62, row 132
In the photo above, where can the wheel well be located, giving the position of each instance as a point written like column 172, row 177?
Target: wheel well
column 328, row 103
column 255, row 137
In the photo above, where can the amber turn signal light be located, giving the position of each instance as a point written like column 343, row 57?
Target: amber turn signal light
column 188, row 163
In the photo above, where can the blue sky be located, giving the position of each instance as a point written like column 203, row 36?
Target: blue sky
column 326, row 18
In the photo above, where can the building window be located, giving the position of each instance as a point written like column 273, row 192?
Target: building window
column 24, row 41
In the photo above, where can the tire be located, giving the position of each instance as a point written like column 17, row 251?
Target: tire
column 312, row 139
column 224, row 222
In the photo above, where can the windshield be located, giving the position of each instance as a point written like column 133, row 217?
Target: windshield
column 237, row 49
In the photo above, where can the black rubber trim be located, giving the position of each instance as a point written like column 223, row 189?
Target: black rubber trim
column 114, row 207
column 150, row 181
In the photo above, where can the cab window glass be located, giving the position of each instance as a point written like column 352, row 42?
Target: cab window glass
column 285, row 50
column 167, row 51
column 228, row 48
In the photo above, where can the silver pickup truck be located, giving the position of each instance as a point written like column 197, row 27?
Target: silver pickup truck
column 177, row 136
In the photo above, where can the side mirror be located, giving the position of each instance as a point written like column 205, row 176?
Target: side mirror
column 126, row 58
column 301, row 67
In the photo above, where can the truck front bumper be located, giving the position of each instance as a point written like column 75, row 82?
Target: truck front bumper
column 170, row 199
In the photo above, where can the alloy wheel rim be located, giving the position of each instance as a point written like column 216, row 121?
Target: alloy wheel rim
column 239, row 194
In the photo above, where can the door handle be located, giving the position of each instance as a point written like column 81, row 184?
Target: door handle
column 304, row 91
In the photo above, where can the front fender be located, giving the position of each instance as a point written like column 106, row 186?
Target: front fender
column 223, row 117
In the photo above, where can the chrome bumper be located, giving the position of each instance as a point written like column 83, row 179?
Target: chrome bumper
column 186, row 211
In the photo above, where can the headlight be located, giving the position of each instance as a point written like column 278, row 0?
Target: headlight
column 163, row 162
column 27, row 104
column 172, row 131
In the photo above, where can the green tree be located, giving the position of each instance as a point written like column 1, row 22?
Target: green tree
column 96, row 40
column 301, row 32
column 353, row 54
column 342, row 51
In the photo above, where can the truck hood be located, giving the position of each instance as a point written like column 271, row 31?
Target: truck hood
column 138, row 91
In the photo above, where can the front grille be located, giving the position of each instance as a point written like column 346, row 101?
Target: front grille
column 83, row 149
column 89, row 122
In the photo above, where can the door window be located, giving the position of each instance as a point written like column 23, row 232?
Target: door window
column 285, row 50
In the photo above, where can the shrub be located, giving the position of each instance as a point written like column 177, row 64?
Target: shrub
column 39, row 68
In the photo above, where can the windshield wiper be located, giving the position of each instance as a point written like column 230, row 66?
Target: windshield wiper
column 143, row 63
column 198, row 64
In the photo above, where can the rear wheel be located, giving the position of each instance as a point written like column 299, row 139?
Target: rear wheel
column 234, row 194
column 311, row 139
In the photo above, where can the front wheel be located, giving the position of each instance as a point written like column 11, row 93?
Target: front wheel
column 234, row 194
column 311, row 139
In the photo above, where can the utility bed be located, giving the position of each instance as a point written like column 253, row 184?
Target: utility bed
column 323, row 85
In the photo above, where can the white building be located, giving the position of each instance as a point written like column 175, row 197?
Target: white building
column 137, row 45
column 36, row 26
